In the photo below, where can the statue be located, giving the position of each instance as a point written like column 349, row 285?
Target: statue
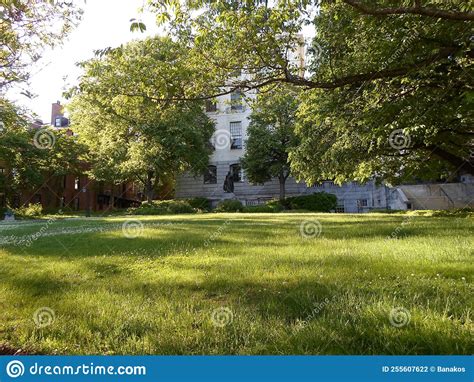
column 9, row 216
column 229, row 183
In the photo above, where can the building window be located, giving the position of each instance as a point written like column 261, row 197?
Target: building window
column 210, row 175
column 236, row 172
column 102, row 201
column 362, row 203
column 236, row 135
column 75, row 204
column 211, row 106
column 57, row 122
column 340, row 207
column 236, row 101
column 2, row 170
column 77, row 184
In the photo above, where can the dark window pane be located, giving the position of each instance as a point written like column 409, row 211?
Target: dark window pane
column 210, row 175
column 211, row 106
column 236, row 172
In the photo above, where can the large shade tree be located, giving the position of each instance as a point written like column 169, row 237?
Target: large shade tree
column 403, row 106
column 389, row 82
column 120, row 111
column 27, row 27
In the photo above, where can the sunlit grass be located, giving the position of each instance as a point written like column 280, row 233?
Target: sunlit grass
column 156, row 293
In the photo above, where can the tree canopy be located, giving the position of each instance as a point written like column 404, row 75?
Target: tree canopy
column 271, row 136
column 116, row 110
column 375, row 73
column 26, row 28
column 29, row 156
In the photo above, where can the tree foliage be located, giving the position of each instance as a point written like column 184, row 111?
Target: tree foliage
column 26, row 162
column 376, row 73
column 26, row 28
column 271, row 136
column 409, row 117
column 132, row 135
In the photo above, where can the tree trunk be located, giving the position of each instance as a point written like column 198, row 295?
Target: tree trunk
column 149, row 187
column 282, row 180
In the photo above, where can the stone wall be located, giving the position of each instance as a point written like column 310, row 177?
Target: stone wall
column 354, row 197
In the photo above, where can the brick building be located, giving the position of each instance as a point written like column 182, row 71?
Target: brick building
column 76, row 192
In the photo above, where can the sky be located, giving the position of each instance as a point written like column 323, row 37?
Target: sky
column 105, row 23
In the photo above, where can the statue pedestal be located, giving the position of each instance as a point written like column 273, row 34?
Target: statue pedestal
column 228, row 196
column 9, row 217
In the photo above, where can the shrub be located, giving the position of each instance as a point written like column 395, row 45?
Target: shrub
column 200, row 203
column 384, row 211
column 277, row 204
column 456, row 213
column 318, row 202
column 268, row 207
column 230, row 205
column 30, row 211
column 163, row 207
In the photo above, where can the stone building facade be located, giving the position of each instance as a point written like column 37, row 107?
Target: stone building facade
column 231, row 116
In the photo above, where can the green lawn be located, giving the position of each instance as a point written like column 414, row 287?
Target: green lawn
column 239, row 284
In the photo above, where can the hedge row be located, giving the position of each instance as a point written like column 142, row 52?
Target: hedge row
column 318, row 202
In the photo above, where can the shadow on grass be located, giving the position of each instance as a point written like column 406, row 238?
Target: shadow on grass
column 197, row 235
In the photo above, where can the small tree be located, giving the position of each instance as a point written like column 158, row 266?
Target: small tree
column 271, row 136
column 31, row 156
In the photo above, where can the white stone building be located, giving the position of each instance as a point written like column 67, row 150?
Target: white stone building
column 231, row 115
